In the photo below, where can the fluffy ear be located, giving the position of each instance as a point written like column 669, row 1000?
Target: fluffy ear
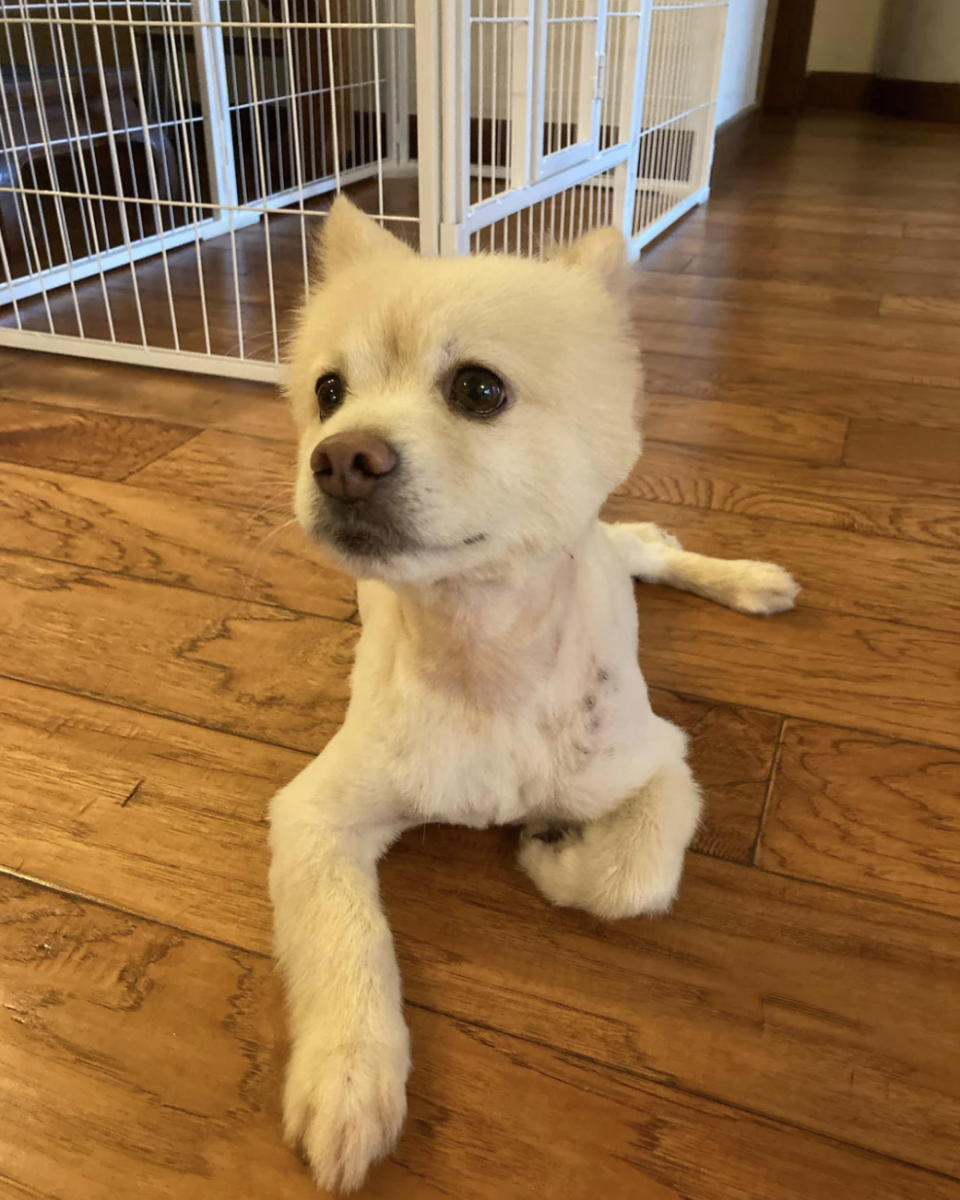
column 602, row 252
column 349, row 236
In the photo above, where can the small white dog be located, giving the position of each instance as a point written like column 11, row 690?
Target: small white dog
column 461, row 424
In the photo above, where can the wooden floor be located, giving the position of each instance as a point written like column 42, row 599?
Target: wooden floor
column 170, row 654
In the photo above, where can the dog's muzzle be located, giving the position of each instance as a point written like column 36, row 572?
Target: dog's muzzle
column 360, row 507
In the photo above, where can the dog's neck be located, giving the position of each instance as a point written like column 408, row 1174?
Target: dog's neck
column 486, row 641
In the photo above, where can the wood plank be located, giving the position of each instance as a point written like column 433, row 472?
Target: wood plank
column 868, row 275
column 745, row 382
column 908, row 582
column 935, row 230
column 731, row 752
column 858, row 220
column 123, row 806
column 867, row 813
column 831, row 1011
column 715, row 238
column 246, row 668
column 631, row 995
column 173, row 1077
column 927, row 308
column 83, row 443
column 833, row 497
column 764, row 205
column 665, row 255
column 911, row 450
column 122, row 391
column 876, row 675
column 774, row 323
column 267, row 418
column 885, row 362
column 226, row 469
column 720, row 425
column 159, row 536
column 754, row 293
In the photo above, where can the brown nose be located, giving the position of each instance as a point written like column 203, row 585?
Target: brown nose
column 348, row 466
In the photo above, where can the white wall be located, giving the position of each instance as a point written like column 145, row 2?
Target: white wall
column 847, row 36
column 741, row 57
column 922, row 41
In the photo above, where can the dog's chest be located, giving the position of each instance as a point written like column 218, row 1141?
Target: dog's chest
column 569, row 752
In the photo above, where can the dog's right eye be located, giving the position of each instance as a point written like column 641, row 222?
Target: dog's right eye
column 330, row 391
column 477, row 391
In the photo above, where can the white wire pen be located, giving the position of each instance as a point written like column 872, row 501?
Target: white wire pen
column 164, row 167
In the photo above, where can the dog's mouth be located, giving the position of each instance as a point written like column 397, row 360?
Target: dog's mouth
column 365, row 537
column 357, row 534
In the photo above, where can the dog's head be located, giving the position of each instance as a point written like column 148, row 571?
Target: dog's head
column 458, row 413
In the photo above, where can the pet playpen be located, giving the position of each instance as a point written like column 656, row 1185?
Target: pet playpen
column 165, row 163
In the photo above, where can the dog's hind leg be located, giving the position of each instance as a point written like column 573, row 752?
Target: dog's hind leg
column 627, row 862
column 653, row 556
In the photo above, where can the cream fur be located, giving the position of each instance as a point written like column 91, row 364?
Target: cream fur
column 496, row 679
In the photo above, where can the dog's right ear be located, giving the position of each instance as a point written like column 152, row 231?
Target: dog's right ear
column 603, row 254
column 349, row 236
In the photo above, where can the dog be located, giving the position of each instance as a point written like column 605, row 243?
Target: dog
column 461, row 423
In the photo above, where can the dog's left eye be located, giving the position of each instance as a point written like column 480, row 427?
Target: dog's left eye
column 330, row 390
column 478, row 391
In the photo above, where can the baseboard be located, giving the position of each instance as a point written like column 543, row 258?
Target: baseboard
column 847, row 91
column 735, row 139
column 912, row 99
column 916, row 100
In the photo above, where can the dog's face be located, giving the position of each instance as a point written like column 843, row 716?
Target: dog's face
column 455, row 414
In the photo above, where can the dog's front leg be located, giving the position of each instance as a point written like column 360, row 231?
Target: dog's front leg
column 345, row 1097
column 653, row 556
column 627, row 862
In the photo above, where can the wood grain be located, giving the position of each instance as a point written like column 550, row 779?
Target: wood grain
column 247, row 668
column 895, row 679
column 773, row 995
column 731, row 752
column 149, row 814
column 267, row 418
column 884, row 362
column 929, row 308
column 226, row 469
column 159, row 536
column 903, row 273
column 775, row 324
column 758, row 293
column 84, row 443
column 174, row 1077
column 121, row 391
column 938, row 228
column 798, row 1016
column 833, row 246
column 904, row 450
column 790, row 208
column 743, row 381
column 909, row 583
column 834, row 497
column 867, row 813
column 719, row 425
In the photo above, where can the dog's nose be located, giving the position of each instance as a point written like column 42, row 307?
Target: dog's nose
column 348, row 466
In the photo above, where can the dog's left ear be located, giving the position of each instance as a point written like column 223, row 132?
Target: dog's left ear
column 602, row 252
column 349, row 236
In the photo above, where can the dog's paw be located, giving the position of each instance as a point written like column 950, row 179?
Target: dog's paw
column 578, row 866
column 646, row 531
column 762, row 588
column 344, row 1107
